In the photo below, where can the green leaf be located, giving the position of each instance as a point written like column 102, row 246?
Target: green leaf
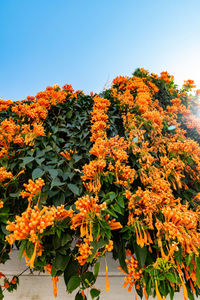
column 171, row 293
column 96, row 269
column 73, row 283
column 56, row 182
column 48, row 148
column 4, row 230
column 172, row 277
column 77, row 158
column 109, row 178
column 1, row 294
column 72, row 269
column 117, row 208
column 58, row 232
column 69, row 114
column 111, row 212
column 37, row 173
column 96, row 246
column 29, row 249
column 197, row 261
column 28, row 159
column 190, row 293
column 88, row 279
column 39, row 160
column 79, row 296
column 22, row 248
column 120, row 201
column 94, row 293
column 66, row 238
column 188, row 259
column 141, row 254
column 15, row 195
column 122, row 255
column 95, row 230
column 148, row 286
column 61, row 261
column 56, row 241
column 40, row 153
column 178, row 255
column 53, row 173
column 60, row 199
column 112, row 195
column 62, row 251
column 73, row 188
column 43, row 197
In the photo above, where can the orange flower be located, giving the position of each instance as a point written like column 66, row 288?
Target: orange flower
column 114, row 225
column 4, row 174
column 88, row 210
column 14, row 280
column 32, row 223
column 189, row 83
column 66, row 154
column 84, row 251
column 54, row 279
column 134, row 272
column 6, row 285
column 32, row 189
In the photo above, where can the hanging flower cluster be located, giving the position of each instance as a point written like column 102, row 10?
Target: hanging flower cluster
column 32, row 223
column 134, row 272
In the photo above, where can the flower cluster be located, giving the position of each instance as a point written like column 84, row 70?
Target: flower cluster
column 32, row 223
column 9, row 284
column 134, row 272
column 29, row 115
column 32, row 189
column 4, row 174
column 88, row 209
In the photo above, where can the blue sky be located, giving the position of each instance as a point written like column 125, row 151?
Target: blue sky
column 88, row 43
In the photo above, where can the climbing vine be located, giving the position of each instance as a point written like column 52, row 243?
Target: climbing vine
column 84, row 175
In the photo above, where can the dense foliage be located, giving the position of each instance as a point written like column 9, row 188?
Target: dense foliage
column 118, row 172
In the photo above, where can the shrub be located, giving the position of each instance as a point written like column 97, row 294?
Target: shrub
column 83, row 175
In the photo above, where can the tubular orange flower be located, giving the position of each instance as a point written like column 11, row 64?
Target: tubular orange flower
column 107, row 280
column 32, row 189
column 88, row 210
column 66, row 154
column 114, row 225
column 54, row 279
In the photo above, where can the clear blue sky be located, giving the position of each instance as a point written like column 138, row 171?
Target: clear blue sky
column 87, row 43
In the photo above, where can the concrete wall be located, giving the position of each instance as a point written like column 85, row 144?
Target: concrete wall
column 39, row 286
